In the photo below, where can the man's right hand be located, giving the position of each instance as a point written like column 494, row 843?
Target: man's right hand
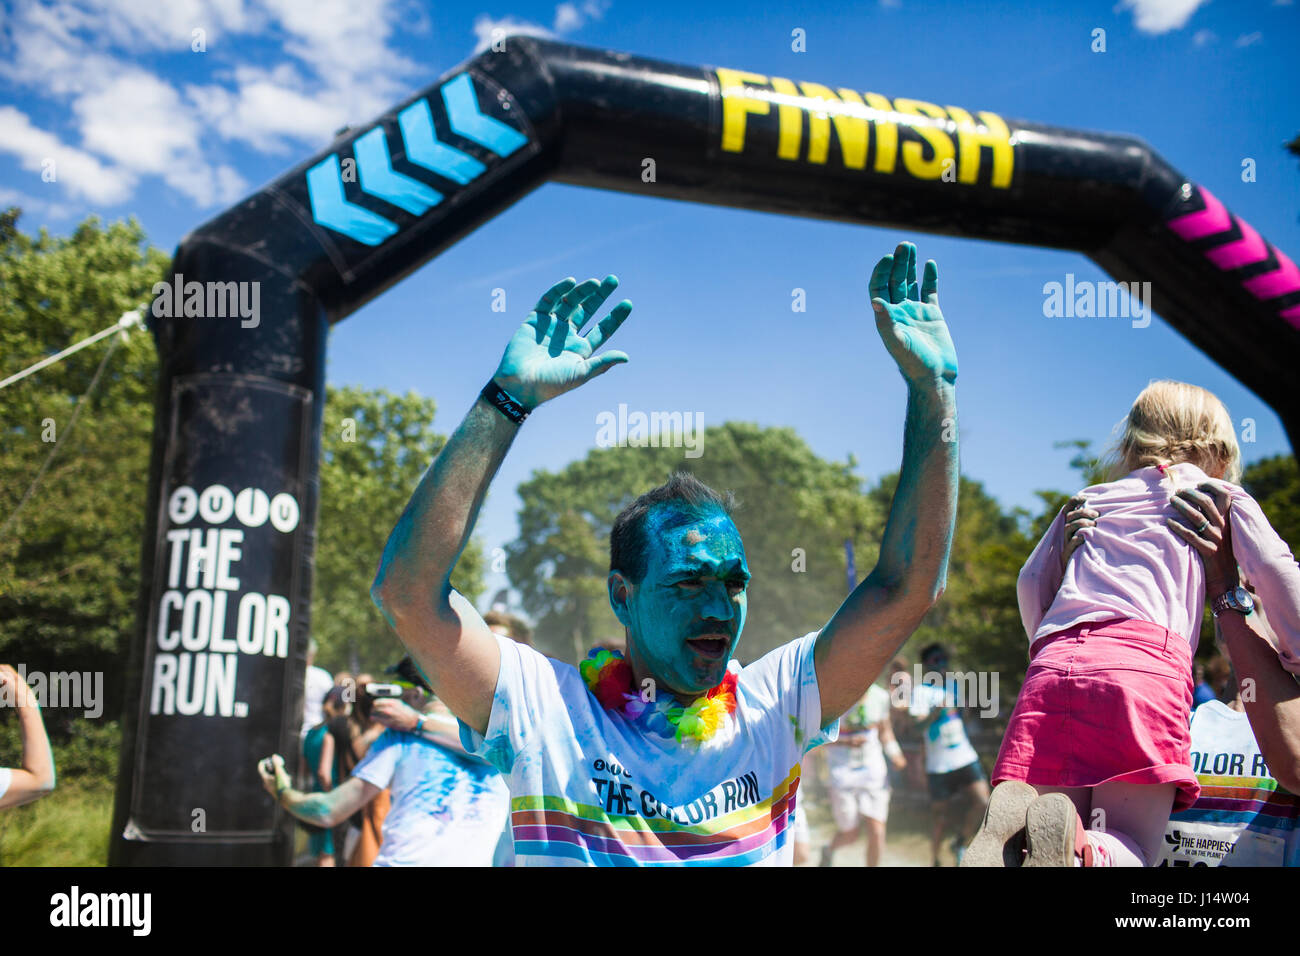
column 547, row 356
column 1077, row 517
column 1207, row 529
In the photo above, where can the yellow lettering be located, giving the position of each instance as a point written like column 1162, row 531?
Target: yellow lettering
column 737, row 102
column 940, row 142
column 991, row 132
column 791, row 117
column 886, row 131
column 850, row 117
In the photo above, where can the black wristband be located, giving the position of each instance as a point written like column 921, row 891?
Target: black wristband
column 501, row 400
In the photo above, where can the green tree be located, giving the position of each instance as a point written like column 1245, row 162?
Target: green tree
column 375, row 446
column 1275, row 484
column 69, row 559
column 795, row 512
column 978, row 617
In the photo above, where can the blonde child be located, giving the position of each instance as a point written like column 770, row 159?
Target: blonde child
column 1100, row 731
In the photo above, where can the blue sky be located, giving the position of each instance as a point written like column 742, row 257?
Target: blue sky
column 140, row 124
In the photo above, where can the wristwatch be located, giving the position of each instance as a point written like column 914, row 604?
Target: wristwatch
column 1237, row 599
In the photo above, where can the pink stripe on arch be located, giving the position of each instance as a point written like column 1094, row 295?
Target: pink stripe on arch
column 1213, row 218
column 1292, row 315
column 1285, row 278
column 1233, row 255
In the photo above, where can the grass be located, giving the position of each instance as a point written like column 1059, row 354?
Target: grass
column 70, row 827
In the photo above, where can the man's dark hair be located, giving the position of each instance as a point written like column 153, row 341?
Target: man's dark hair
column 933, row 649
column 627, row 539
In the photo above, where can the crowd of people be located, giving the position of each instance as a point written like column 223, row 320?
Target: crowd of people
column 663, row 750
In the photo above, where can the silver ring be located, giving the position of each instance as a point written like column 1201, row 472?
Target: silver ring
column 1203, row 526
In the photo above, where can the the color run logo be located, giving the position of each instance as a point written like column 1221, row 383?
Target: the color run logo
column 204, row 624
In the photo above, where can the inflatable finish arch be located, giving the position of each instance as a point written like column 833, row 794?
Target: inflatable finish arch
column 215, row 672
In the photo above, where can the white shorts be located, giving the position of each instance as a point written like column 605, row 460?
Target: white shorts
column 850, row 803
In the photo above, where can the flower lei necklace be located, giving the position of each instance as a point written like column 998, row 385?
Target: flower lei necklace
column 609, row 678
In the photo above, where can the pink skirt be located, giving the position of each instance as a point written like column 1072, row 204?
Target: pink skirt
column 1104, row 702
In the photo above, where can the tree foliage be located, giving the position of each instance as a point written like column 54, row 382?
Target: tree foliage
column 375, row 446
column 69, row 560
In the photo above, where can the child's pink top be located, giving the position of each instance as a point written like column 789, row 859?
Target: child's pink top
column 1131, row 565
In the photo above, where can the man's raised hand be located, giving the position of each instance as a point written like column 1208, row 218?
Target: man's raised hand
column 909, row 320
column 547, row 356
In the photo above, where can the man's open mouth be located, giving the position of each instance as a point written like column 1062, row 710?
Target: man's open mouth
column 710, row 646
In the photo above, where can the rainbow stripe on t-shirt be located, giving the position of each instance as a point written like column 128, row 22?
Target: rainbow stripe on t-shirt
column 1255, row 801
column 555, row 828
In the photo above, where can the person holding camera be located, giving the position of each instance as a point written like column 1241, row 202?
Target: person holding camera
column 446, row 809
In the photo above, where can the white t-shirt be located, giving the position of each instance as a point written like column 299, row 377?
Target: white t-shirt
column 1242, row 817
column 947, row 748
column 447, row 810
column 5, row 775
column 861, row 765
column 319, row 682
column 589, row 787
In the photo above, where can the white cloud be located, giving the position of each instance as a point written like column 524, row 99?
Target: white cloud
column 268, row 110
column 487, row 29
column 1161, row 16
column 569, row 17
column 76, row 171
column 141, row 122
column 91, row 58
column 1204, row 37
column 572, row 16
column 1249, row 39
column 32, row 204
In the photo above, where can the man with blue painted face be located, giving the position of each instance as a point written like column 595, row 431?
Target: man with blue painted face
column 673, row 754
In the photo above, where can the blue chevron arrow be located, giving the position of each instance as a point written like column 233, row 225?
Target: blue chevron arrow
column 379, row 179
column 424, row 149
column 467, row 120
column 330, row 207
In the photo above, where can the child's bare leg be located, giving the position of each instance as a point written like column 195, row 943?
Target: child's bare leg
column 875, row 840
column 939, row 809
column 1128, row 822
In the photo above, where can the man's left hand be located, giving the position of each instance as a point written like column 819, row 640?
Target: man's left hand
column 396, row 714
column 908, row 318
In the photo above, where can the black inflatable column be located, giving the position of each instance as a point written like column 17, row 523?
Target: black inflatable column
column 217, row 664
